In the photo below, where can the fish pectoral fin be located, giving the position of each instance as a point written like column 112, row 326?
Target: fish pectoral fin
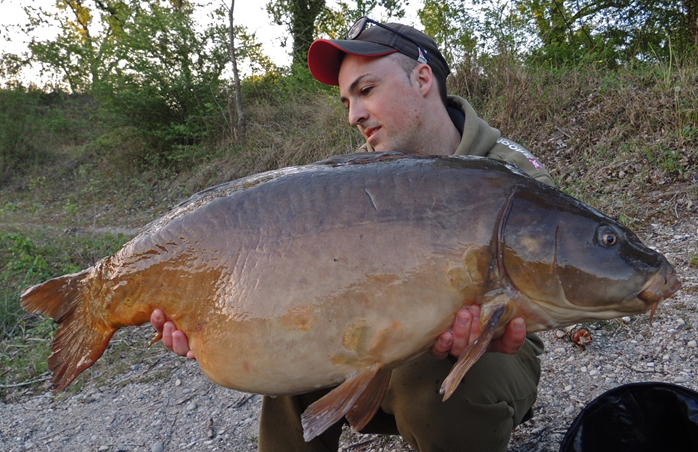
column 323, row 413
column 369, row 401
column 472, row 353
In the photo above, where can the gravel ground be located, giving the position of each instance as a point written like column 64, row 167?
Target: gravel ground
column 164, row 403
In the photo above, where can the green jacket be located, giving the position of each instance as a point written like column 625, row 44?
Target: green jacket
column 478, row 138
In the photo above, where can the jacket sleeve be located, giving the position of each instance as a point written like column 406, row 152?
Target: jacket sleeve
column 518, row 156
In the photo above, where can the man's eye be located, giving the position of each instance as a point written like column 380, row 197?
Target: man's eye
column 366, row 90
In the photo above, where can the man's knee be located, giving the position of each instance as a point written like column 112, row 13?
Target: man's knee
column 280, row 426
column 490, row 401
column 469, row 427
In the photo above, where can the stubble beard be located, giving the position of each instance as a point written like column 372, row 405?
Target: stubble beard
column 412, row 143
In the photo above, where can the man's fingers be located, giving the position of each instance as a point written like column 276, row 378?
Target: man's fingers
column 474, row 310
column 172, row 338
column 513, row 338
column 461, row 331
column 442, row 345
column 180, row 343
column 167, row 331
column 157, row 319
column 466, row 329
column 515, row 335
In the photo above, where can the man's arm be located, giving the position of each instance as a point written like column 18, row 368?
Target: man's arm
column 465, row 329
column 520, row 157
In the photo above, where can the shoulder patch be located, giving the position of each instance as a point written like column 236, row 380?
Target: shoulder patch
column 515, row 147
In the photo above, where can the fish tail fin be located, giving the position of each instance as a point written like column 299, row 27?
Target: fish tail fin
column 81, row 338
column 471, row 354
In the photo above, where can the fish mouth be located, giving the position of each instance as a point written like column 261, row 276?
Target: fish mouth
column 663, row 285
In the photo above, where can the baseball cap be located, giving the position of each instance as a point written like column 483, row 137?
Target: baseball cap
column 325, row 55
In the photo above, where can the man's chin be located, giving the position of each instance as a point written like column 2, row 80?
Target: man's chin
column 384, row 147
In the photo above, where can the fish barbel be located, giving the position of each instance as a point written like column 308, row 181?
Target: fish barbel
column 335, row 273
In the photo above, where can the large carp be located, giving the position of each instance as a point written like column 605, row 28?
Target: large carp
column 336, row 272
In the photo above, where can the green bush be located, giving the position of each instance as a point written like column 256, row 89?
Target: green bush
column 22, row 140
column 35, row 124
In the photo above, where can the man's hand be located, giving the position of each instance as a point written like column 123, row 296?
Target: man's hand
column 466, row 328
column 172, row 338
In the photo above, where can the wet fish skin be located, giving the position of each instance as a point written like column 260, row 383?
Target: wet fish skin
column 339, row 271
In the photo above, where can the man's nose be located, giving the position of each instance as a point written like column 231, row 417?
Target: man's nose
column 357, row 114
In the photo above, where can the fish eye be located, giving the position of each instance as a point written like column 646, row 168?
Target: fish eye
column 606, row 237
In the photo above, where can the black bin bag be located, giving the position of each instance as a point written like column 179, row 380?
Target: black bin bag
column 638, row 417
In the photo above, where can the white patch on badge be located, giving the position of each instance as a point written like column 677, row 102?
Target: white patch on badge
column 515, row 147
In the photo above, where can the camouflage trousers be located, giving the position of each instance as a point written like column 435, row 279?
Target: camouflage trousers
column 493, row 398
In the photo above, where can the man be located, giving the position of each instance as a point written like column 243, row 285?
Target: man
column 392, row 79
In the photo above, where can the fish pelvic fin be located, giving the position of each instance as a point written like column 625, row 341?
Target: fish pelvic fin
column 323, row 413
column 81, row 338
column 472, row 353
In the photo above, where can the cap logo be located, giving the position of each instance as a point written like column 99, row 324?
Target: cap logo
column 421, row 58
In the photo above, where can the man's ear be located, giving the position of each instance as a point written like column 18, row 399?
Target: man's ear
column 424, row 78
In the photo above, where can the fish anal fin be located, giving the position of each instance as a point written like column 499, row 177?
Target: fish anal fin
column 369, row 401
column 323, row 413
column 472, row 353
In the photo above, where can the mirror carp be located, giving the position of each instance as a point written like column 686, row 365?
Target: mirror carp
column 336, row 272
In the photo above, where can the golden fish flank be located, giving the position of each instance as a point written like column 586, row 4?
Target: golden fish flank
column 335, row 273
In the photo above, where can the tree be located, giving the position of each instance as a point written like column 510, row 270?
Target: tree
column 334, row 22
column 84, row 48
column 307, row 19
column 452, row 28
column 691, row 7
column 236, row 77
column 299, row 16
column 645, row 29
column 168, row 85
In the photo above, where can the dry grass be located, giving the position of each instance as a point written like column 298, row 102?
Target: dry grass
column 299, row 131
column 602, row 134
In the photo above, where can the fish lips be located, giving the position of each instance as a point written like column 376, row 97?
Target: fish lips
column 662, row 286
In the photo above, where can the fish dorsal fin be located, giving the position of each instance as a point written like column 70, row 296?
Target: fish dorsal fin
column 323, row 413
column 472, row 352
column 369, row 401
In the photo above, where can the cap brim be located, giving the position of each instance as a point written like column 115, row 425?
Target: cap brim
column 325, row 56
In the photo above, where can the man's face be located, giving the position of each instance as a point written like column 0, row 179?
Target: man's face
column 383, row 102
